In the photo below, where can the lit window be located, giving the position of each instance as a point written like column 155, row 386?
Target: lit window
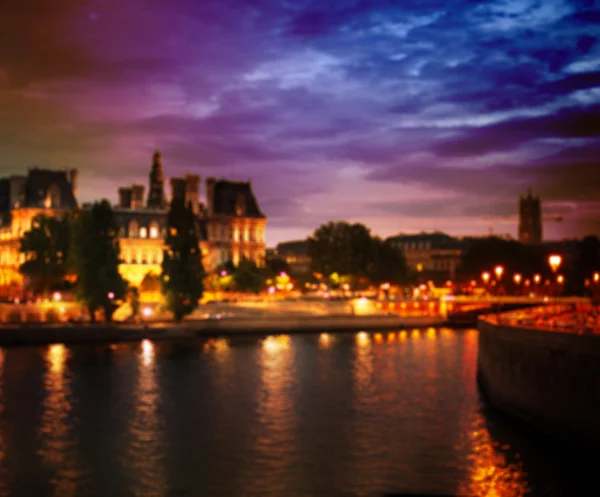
column 143, row 232
column 153, row 231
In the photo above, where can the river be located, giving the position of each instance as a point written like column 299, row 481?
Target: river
column 307, row 415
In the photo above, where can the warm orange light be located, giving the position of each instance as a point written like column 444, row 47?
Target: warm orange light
column 517, row 278
column 560, row 279
column 402, row 335
column 362, row 338
column 499, row 271
column 485, row 276
column 391, row 337
column 554, row 261
column 378, row 338
column 430, row 333
column 596, row 277
column 147, row 352
column 325, row 340
column 537, row 278
column 274, row 344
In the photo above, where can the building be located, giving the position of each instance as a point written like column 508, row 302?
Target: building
column 295, row 253
column 22, row 197
column 530, row 219
column 230, row 224
column 434, row 255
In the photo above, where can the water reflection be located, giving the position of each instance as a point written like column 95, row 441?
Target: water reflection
column 325, row 340
column 489, row 474
column 145, row 459
column 58, row 447
column 274, row 436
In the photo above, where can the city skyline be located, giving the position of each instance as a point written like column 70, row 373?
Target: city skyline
column 408, row 119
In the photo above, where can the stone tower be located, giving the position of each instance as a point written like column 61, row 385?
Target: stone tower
column 530, row 219
column 156, row 194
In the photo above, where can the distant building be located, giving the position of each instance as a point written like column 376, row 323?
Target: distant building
column 530, row 219
column 22, row 197
column 295, row 253
column 434, row 255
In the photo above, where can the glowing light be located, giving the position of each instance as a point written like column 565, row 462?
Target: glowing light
column 147, row 312
column 419, row 267
column 271, row 290
column 111, row 295
column 56, row 357
column 517, row 278
column 537, row 278
column 431, row 333
column 485, row 276
column 560, row 279
column 415, row 333
column 378, row 338
column 385, row 286
column 325, row 340
column 499, row 271
column 362, row 338
column 56, row 296
column 147, row 352
column 223, row 273
column 596, row 277
column 402, row 335
column 554, row 261
column 273, row 344
column 391, row 337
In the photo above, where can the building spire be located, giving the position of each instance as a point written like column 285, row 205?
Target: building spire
column 156, row 193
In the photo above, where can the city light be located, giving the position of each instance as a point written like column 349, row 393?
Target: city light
column 111, row 295
column 537, row 278
column 499, row 271
column 147, row 312
column 485, row 276
column 596, row 277
column 56, row 296
column 517, row 278
column 560, row 279
column 555, row 261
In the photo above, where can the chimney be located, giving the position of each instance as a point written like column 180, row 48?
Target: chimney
column 210, row 196
column 177, row 189
column 137, row 196
column 125, row 198
column 73, row 176
column 192, row 191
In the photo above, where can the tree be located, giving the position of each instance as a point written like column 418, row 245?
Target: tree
column 182, row 271
column 46, row 249
column 388, row 263
column 95, row 259
column 248, row 277
column 133, row 296
column 275, row 266
column 342, row 248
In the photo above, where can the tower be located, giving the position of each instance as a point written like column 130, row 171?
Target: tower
column 156, row 194
column 530, row 219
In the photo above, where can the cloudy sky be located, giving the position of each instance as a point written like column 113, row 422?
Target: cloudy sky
column 405, row 115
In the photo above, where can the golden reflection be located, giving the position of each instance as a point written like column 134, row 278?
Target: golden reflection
column 362, row 338
column 218, row 346
column 415, row 333
column 489, row 473
column 58, row 449
column 431, row 334
column 391, row 337
column 325, row 340
column 378, row 338
column 275, row 344
column 278, row 415
column 147, row 352
column 402, row 335
column 447, row 333
column 146, row 445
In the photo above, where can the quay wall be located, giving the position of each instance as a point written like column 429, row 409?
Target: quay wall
column 550, row 380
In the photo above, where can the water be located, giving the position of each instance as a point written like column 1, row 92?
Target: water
column 315, row 415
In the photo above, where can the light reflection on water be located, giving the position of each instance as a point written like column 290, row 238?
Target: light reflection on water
column 349, row 414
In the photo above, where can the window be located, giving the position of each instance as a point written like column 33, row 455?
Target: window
column 133, row 229
column 154, row 230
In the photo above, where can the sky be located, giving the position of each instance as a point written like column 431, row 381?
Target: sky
column 407, row 116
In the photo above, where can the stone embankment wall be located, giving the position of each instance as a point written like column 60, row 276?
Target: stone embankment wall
column 548, row 379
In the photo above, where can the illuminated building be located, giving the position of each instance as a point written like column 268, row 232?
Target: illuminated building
column 295, row 253
column 230, row 224
column 433, row 255
column 22, row 197
column 530, row 219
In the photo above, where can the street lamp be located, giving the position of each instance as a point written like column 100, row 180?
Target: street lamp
column 560, row 279
column 517, row 279
column 499, row 271
column 596, row 277
column 485, row 276
column 554, row 261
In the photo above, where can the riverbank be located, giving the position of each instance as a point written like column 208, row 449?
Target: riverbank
column 546, row 377
column 47, row 334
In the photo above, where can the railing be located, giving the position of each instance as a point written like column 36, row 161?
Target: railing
column 580, row 319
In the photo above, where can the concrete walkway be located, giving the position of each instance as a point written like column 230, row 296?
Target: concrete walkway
column 40, row 334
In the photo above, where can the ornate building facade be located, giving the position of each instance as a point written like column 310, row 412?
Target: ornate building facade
column 22, row 197
column 230, row 223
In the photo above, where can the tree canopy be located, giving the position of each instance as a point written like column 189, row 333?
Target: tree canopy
column 182, row 270
column 248, row 277
column 349, row 250
column 95, row 259
column 46, row 249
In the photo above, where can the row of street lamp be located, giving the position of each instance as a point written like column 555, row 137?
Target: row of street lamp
column 554, row 261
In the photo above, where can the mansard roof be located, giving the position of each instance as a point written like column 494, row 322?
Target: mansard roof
column 229, row 195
